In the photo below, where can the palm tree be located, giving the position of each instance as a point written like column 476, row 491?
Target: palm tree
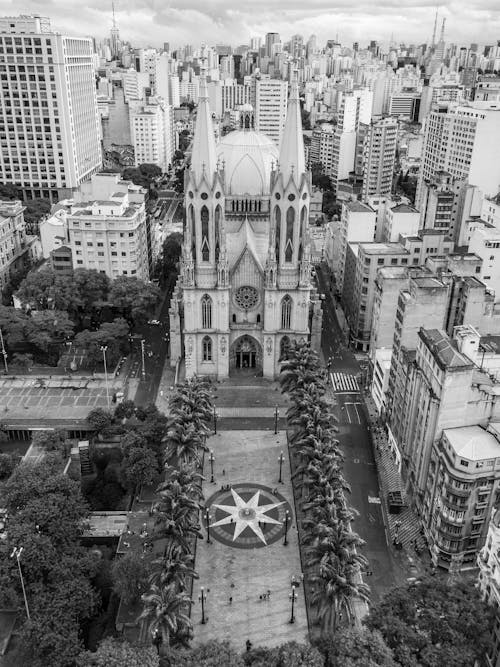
column 182, row 441
column 164, row 612
column 174, row 567
column 187, row 477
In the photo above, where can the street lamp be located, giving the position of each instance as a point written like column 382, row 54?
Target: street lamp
column 215, row 421
column 293, row 596
column 211, row 458
column 4, row 353
column 103, row 349
column 157, row 639
column 142, row 358
column 287, row 519
column 202, row 598
column 208, row 517
column 276, row 415
column 17, row 551
column 281, row 459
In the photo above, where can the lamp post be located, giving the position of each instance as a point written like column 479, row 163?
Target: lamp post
column 207, row 518
column 211, row 458
column 202, row 598
column 281, row 459
column 4, row 353
column 157, row 639
column 17, row 551
column 293, row 596
column 276, row 415
column 287, row 519
column 142, row 359
column 215, row 421
column 104, row 348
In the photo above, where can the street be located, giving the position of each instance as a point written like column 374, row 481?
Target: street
column 359, row 464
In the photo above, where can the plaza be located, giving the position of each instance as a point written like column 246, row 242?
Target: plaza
column 234, row 577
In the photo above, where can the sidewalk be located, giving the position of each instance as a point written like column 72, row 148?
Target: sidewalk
column 405, row 526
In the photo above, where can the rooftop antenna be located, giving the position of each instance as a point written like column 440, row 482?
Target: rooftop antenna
column 434, row 31
column 114, row 20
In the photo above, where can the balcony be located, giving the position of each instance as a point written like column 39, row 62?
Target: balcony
column 445, row 533
column 450, row 519
column 462, row 493
column 454, row 505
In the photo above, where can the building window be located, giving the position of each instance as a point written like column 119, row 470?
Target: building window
column 205, row 248
column 286, row 312
column 206, row 312
column 290, row 219
column 277, row 221
column 207, row 348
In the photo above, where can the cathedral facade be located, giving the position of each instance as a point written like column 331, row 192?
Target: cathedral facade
column 245, row 285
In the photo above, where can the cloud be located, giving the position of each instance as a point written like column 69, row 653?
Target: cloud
column 152, row 22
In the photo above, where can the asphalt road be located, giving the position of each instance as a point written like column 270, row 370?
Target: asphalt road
column 359, row 464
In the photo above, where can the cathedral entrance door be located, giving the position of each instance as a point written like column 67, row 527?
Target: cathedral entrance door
column 246, row 354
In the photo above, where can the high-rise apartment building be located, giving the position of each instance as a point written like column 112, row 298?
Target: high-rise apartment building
column 135, row 84
column 271, row 39
column 379, row 153
column 463, row 141
column 50, row 133
column 151, row 129
column 270, row 107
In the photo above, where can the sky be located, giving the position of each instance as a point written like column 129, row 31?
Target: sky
column 153, row 22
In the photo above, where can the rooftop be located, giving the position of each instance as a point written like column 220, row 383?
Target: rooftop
column 473, row 443
column 383, row 249
column 427, row 282
column 490, row 343
column 443, row 350
column 358, row 207
column 404, row 208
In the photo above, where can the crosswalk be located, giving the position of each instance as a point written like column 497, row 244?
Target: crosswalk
column 344, row 383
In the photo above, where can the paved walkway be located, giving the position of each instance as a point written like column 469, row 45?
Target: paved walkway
column 245, row 574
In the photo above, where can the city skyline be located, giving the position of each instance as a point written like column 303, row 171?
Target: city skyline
column 149, row 23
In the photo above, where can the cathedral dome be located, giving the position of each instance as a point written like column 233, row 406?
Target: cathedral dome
column 248, row 159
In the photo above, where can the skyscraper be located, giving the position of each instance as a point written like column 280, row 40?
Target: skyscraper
column 271, row 39
column 49, row 123
column 270, row 107
column 379, row 152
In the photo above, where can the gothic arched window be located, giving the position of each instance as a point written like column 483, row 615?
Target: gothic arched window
column 206, row 345
column 303, row 214
column 217, row 219
column 277, row 222
column 284, row 348
column 206, row 312
column 192, row 228
column 290, row 220
column 205, row 246
column 286, row 312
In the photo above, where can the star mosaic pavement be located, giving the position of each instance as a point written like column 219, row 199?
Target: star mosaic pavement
column 247, row 514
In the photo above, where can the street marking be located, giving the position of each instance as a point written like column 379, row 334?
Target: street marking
column 344, row 383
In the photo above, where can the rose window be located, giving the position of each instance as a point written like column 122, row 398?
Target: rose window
column 246, row 297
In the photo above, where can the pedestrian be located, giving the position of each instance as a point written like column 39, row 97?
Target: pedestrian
column 248, row 644
column 268, row 594
column 230, row 600
column 260, row 598
column 223, row 471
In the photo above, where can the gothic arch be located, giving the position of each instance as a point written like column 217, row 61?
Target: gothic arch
column 206, row 312
column 205, row 244
column 290, row 221
column 206, row 348
column 277, row 223
column 286, row 312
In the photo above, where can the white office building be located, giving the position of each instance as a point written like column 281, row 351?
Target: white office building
column 270, row 108
column 50, row 130
column 151, row 129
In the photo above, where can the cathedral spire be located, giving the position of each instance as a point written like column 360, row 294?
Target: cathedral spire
column 204, row 157
column 292, row 161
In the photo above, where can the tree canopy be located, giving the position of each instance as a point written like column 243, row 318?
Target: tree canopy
column 117, row 653
column 433, row 622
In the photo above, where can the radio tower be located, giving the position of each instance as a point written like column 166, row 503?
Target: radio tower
column 434, row 31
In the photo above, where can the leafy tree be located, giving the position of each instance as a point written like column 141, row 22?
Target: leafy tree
column 24, row 361
column 353, row 647
column 9, row 191
column 113, row 335
column 125, row 410
column 100, row 419
column 47, row 327
column 134, row 298
column 171, row 252
column 35, row 210
column 139, row 467
column 150, row 171
column 7, row 465
column 130, row 576
column 293, row 654
column 13, row 323
column 117, row 653
column 50, row 441
column 45, row 289
column 15, row 279
column 213, row 653
column 92, row 287
column 434, row 622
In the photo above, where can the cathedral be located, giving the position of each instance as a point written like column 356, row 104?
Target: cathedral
column 245, row 286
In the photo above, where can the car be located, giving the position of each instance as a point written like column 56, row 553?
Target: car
column 154, row 322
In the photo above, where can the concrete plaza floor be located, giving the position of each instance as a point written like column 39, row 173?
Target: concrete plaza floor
column 245, row 574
